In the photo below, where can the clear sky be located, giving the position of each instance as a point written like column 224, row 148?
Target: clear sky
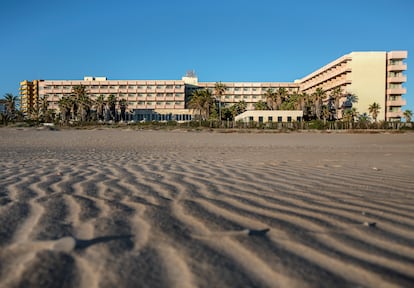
column 226, row 40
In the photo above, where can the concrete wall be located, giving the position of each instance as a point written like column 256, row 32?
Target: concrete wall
column 368, row 80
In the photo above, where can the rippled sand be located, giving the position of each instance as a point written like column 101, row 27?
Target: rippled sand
column 123, row 208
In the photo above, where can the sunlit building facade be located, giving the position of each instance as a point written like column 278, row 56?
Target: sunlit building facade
column 371, row 76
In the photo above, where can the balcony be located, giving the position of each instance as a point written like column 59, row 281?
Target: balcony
column 397, row 91
column 397, row 67
column 397, row 55
column 397, row 79
column 399, row 103
column 394, row 114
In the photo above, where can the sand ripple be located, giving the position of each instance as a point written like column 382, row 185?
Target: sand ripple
column 176, row 209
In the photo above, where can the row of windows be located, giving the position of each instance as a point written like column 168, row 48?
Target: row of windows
column 159, row 103
column 168, row 95
column 279, row 119
column 94, row 87
column 254, row 89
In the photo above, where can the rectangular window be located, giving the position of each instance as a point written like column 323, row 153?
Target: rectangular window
column 160, row 87
column 131, row 87
column 260, row 119
column 251, row 118
column 298, row 118
column 177, row 86
column 169, row 87
column 270, row 119
column 279, row 119
column 289, row 119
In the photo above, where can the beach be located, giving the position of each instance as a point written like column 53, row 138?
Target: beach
column 137, row 208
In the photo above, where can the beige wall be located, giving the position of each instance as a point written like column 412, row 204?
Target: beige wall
column 368, row 80
column 245, row 116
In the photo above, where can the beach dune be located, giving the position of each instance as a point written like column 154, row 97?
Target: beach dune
column 127, row 208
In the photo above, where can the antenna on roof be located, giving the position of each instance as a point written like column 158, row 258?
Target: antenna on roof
column 190, row 73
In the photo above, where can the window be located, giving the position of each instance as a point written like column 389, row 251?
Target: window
column 131, row 87
column 260, row 119
column 177, row 86
column 169, row 94
column 150, row 87
column 270, row 119
column 141, row 87
column 246, row 89
column 298, row 118
column 289, row 119
column 160, row 87
column 279, row 119
column 237, row 89
column 160, row 95
column 251, row 118
column 169, row 87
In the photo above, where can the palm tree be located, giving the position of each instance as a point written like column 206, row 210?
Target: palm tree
column 281, row 95
column 260, row 105
column 81, row 103
column 317, row 98
column 201, row 101
column 219, row 90
column 111, row 104
column 373, row 109
column 65, row 105
column 270, row 97
column 325, row 113
column 238, row 108
column 337, row 94
column 123, row 104
column 408, row 114
column 100, row 106
column 11, row 102
column 43, row 108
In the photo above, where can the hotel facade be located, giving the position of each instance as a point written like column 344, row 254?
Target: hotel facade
column 371, row 76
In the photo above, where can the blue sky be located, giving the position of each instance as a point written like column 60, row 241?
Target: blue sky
column 227, row 40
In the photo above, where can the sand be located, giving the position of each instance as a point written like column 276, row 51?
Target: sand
column 125, row 208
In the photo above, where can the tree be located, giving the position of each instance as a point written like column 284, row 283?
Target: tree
column 111, row 104
column 100, row 106
column 317, row 99
column 336, row 95
column 43, row 106
column 219, row 90
column 374, row 109
column 81, row 104
column 281, row 95
column 123, row 104
column 270, row 97
column 260, row 105
column 408, row 114
column 11, row 102
column 238, row 108
column 325, row 113
column 65, row 105
column 201, row 101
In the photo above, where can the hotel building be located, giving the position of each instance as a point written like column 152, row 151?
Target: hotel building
column 371, row 76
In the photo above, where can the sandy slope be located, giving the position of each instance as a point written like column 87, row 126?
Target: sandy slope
column 116, row 208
